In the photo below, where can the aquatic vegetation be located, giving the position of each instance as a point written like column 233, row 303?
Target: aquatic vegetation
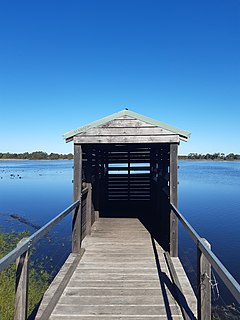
column 38, row 278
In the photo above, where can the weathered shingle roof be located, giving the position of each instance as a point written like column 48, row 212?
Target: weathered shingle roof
column 182, row 133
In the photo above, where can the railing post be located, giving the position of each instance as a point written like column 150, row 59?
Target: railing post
column 203, row 285
column 21, row 295
column 89, row 209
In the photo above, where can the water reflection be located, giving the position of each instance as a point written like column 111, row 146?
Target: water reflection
column 45, row 189
column 209, row 197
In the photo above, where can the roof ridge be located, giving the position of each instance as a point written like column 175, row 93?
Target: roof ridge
column 132, row 114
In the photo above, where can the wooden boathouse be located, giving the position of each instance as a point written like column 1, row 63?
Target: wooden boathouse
column 124, row 262
column 129, row 162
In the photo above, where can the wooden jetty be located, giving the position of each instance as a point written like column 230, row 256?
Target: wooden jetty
column 124, row 262
column 123, row 274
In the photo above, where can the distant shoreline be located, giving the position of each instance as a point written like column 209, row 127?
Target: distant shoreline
column 35, row 159
column 219, row 160
column 35, row 155
column 41, row 156
column 179, row 158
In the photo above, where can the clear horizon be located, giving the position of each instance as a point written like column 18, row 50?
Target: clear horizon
column 65, row 64
column 180, row 154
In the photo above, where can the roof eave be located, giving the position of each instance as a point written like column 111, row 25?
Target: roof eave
column 184, row 135
column 93, row 124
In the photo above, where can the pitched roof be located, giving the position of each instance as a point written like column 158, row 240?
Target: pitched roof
column 182, row 133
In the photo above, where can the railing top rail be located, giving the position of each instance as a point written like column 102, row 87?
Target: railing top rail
column 221, row 270
column 17, row 252
column 84, row 191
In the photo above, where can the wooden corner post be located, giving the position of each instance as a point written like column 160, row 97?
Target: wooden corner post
column 77, row 189
column 173, row 199
column 203, row 284
column 88, row 176
column 21, row 296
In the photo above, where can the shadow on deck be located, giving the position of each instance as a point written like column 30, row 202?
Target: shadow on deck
column 123, row 274
column 157, row 225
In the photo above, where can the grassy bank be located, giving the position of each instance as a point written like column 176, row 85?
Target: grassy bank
column 38, row 278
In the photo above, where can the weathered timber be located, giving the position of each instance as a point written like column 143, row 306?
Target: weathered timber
column 96, row 189
column 204, row 284
column 118, row 277
column 107, row 317
column 232, row 285
column 127, row 139
column 173, row 199
column 129, row 131
column 77, row 188
column 127, row 123
column 88, row 175
column 77, row 179
column 186, row 311
column 89, row 209
column 21, row 295
column 126, row 118
column 84, row 191
column 55, row 298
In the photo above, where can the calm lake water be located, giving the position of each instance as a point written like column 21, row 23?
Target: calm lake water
column 209, row 197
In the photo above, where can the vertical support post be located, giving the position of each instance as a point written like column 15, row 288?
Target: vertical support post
column 154, row 196
column 21, row 295
column 77, row 189
column 157, row 195
column 104, row 186
column 153, row 178
column 128, row 176
column 89, row 209
column 173, row 199
column 204, row 285
column 163, row 189
column 97, row 184
column 101, row 184
column 89, row 194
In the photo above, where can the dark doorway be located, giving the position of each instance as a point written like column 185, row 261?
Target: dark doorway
column 126, row 182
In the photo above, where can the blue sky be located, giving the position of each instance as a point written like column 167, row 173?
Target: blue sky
column 66, row 63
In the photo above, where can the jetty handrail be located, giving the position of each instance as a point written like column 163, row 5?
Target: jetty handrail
column 30, row 241
column 21, row 253
column 85, row 190
column 224, row 274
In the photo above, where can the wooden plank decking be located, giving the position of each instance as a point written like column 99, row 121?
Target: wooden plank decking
column 122, row 274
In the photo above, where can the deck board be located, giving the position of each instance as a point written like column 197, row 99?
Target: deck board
column 118, row 278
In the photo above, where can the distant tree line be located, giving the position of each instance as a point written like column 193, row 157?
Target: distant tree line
column 40, row 155
column 208, row 156
column 36, row 155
